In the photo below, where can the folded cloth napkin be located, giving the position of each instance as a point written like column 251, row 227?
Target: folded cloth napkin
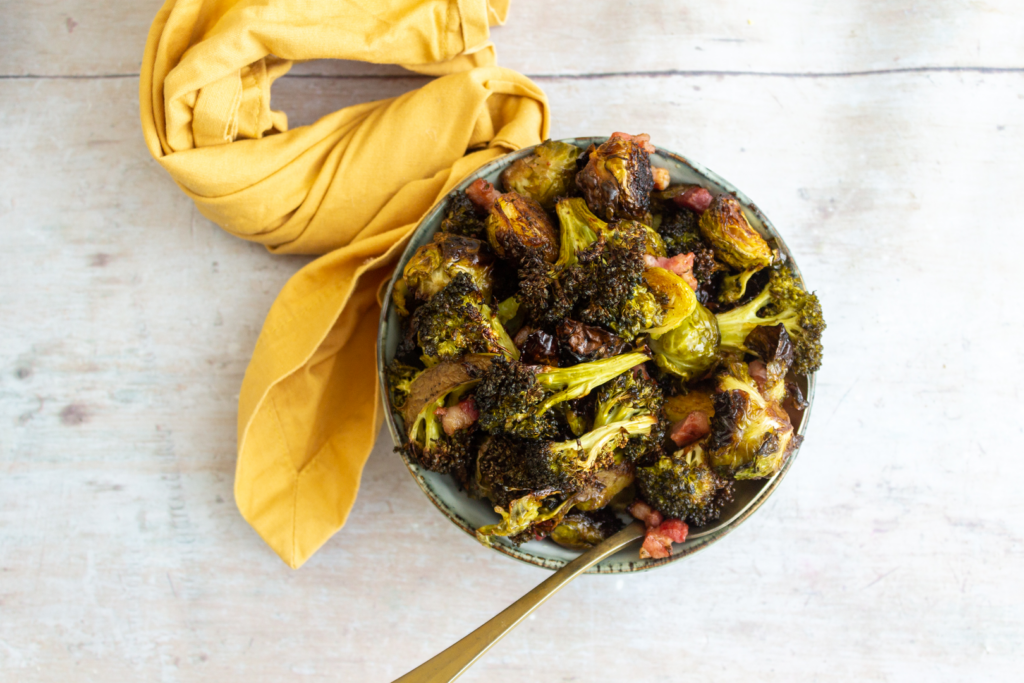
column 350, row 186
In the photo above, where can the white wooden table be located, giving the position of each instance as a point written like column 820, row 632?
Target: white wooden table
column 884, row 139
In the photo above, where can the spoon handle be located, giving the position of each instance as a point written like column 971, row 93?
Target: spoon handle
column 453, row 662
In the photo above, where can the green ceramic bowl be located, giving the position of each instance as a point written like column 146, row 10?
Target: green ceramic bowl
column 469, row 514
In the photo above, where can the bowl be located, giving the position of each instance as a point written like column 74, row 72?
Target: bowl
column 469, row 514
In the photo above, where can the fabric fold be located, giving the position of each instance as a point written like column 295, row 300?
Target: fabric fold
column 352, row 186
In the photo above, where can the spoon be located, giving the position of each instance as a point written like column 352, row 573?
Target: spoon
column 453, row 662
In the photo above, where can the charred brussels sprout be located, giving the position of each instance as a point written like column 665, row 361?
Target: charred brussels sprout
column 675, row 298
column 751, row 434
column 544, row 175
column 518, row 229
column 434, row 265
column 691, row 348
column 683, row 486
column 463, row 217
column 735, row 243
column 785, row 301
column 617, row 180
column 582, row 531
column 456, row 321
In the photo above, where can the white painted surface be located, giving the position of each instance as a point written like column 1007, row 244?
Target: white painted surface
column 893, row 551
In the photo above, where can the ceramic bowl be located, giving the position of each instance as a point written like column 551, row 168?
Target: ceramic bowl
column 469, row 514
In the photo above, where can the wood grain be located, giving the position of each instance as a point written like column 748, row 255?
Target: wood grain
column 892, row 551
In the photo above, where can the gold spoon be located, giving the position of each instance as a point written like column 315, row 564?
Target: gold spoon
column 453, row 662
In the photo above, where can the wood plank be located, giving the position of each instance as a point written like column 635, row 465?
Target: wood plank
column 80, row 37
column 892, row 551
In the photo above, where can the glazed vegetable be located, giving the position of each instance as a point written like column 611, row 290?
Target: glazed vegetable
column 582, row 530
column 456, row 321
column 785, row 301
column 544, row 175
column 432, row 445
column 736, row 244
column 690, row 349
column 617, row 180
column 683, row 486
column 751, row 434
column 518, row 229
column 435, row 264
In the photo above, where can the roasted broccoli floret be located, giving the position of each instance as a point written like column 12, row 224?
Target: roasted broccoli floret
column 518, row 229
column 583, row 530
column 400, row 377
column 463, row 217
column 569, row 466
column 429, row 444
column 617, row 180
column 578, row 229
column 435, row 264
column 544, row 175
column 691, row 348
column 525, row 518
column 680, row 230
column 612, row 289
column 683, row 486
column 456, row 321
column 751, row 434
column 735, row 242
column 516, row 399
column 785, row 301
column 628, row 395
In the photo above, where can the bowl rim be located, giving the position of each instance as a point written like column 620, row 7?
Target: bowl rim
column 694, row 542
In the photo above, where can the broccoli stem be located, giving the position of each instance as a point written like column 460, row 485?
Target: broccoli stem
column 579, row 380
column 589, row 447
column 735, row 325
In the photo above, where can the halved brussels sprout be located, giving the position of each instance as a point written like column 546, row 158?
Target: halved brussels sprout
column 617, row 180
column 676, row 298
column 691, row 348
column 735, row 242
column 518, row 229
column 544, row 175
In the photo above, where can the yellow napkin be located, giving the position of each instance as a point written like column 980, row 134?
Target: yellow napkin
column 352, row 185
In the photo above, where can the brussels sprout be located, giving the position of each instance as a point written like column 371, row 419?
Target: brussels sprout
column 735, row 243
column 579, row 531
column 544, row 175
column 617, row 180
column 674, row 296
column 518, row 229
column 689, row 349
column 434, row 265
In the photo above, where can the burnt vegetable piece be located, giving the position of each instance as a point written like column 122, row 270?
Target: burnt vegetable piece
column 435, row 264
column 617, row 179
column 683, row 486
column 463, row 217
column 456, row 321
column 544, row 175
column 518, row 229
column 582, row 343
column 520, row 522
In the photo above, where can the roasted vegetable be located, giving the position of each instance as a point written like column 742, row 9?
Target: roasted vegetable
column 433, row 447
column 626, row 396
column 683, row 486
column 785, row 301
column 456, row 321
column 544, row 175
column 516, row 399
column 691, row 348
column 734, row 287
column 617, row 180
column 582, row 531
column 736, row 244
column 463, row 217
column 612, row 292
column 751, row 434
column 518, row 229
column 519, row 524
column 581, row 343
column 435, row 264
column 400, row 378
column 578, row 230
